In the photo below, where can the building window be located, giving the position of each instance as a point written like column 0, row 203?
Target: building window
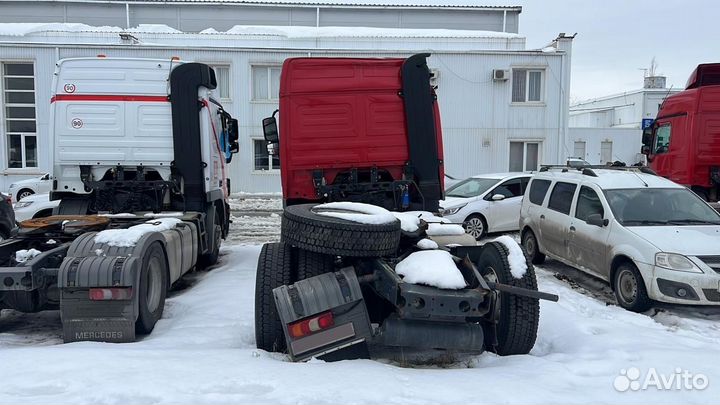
column 605, row 152
column 222, row 73
column 524, row 156
column 263, row 160
column 527, row 85
column 265, row 83
column 18, row 90
column 579, row 151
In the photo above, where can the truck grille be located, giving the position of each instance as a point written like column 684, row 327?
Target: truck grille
column 712, row 261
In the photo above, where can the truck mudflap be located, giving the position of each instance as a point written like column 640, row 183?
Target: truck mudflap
column 111, row 320
column 322, row 314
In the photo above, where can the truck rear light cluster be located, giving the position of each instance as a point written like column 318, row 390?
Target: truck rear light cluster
column 311, row 325
column 108, row 294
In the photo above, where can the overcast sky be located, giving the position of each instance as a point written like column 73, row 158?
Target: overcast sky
column 617, row 37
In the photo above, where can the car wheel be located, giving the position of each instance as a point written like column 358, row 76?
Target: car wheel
column 530, row 243
column 24, row 193
column 630, row 289
column 475, row 226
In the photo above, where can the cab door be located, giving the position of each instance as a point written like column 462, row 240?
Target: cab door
column 555, row 220
column 504, row 215
column 588, row 242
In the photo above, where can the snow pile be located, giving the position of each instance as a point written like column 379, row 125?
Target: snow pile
column 445, row 230
column 120, row 215
column 410, row 220
column 21, row 256
column 435, row 268
column 130, row 236
column 516, row 257
column 293, row 32
column 356, row 212
column 427, row 244
column 153, row 29
column 21, row 29
column 163, row 215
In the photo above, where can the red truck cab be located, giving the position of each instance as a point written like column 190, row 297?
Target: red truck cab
column 683, row 144
column 353, row 129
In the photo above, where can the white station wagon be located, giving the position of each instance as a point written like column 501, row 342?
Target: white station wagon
column 650, row 238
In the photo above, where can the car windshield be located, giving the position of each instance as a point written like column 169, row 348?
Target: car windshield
column 660, row 206
column 471, row 187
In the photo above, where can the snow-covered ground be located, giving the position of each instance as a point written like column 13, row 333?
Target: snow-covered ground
column 203, row 351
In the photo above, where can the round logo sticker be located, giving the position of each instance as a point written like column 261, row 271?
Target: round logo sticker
column 69, row 88
column 76, row 123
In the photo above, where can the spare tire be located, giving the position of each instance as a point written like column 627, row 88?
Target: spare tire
column 303, row 228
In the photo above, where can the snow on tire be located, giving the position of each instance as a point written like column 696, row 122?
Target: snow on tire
column 308, row 230
column 518, row 317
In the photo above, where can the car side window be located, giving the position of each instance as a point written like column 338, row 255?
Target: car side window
column 538, row 189
column 510, row 188
column 588, row 203
column 561, row 197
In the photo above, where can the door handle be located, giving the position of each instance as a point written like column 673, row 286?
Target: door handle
column 572, row 228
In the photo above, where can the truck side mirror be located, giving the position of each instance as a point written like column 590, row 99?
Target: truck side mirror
column 597, row 220
column 233, row 135
column 647, row 136
column 270, row 130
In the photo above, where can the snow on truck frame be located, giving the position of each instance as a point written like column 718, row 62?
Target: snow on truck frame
column 141, row 150
column 358, row 138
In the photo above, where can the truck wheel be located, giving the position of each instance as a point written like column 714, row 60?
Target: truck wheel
column 273, row 270
column 530, row 243
column 311, row 264
column 307, row 230
column 630, row 290
column 517, row 316
column 211, row 258
column 153, row 289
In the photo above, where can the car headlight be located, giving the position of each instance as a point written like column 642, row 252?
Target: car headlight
column 12, row 185
column 674, row 261
column 22, row 204
column 450, row 211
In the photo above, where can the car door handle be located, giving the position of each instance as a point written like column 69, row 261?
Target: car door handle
column 572, row 228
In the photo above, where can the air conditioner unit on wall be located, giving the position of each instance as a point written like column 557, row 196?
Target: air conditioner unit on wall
column 500, row 74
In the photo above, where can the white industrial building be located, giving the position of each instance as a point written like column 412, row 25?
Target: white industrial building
column 609, row 128
column 504, row 107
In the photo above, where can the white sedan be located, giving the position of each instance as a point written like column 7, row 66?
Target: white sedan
column 486, row 203
column 36, row 185
column 34, row 206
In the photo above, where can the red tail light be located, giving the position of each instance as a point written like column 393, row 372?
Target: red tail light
column 309, row 326
column 106, row 294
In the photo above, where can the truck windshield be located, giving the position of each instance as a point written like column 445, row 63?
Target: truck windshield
column 471, row 187
column 660, row 206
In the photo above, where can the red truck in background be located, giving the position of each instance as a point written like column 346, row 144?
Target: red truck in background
column 683, row 143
